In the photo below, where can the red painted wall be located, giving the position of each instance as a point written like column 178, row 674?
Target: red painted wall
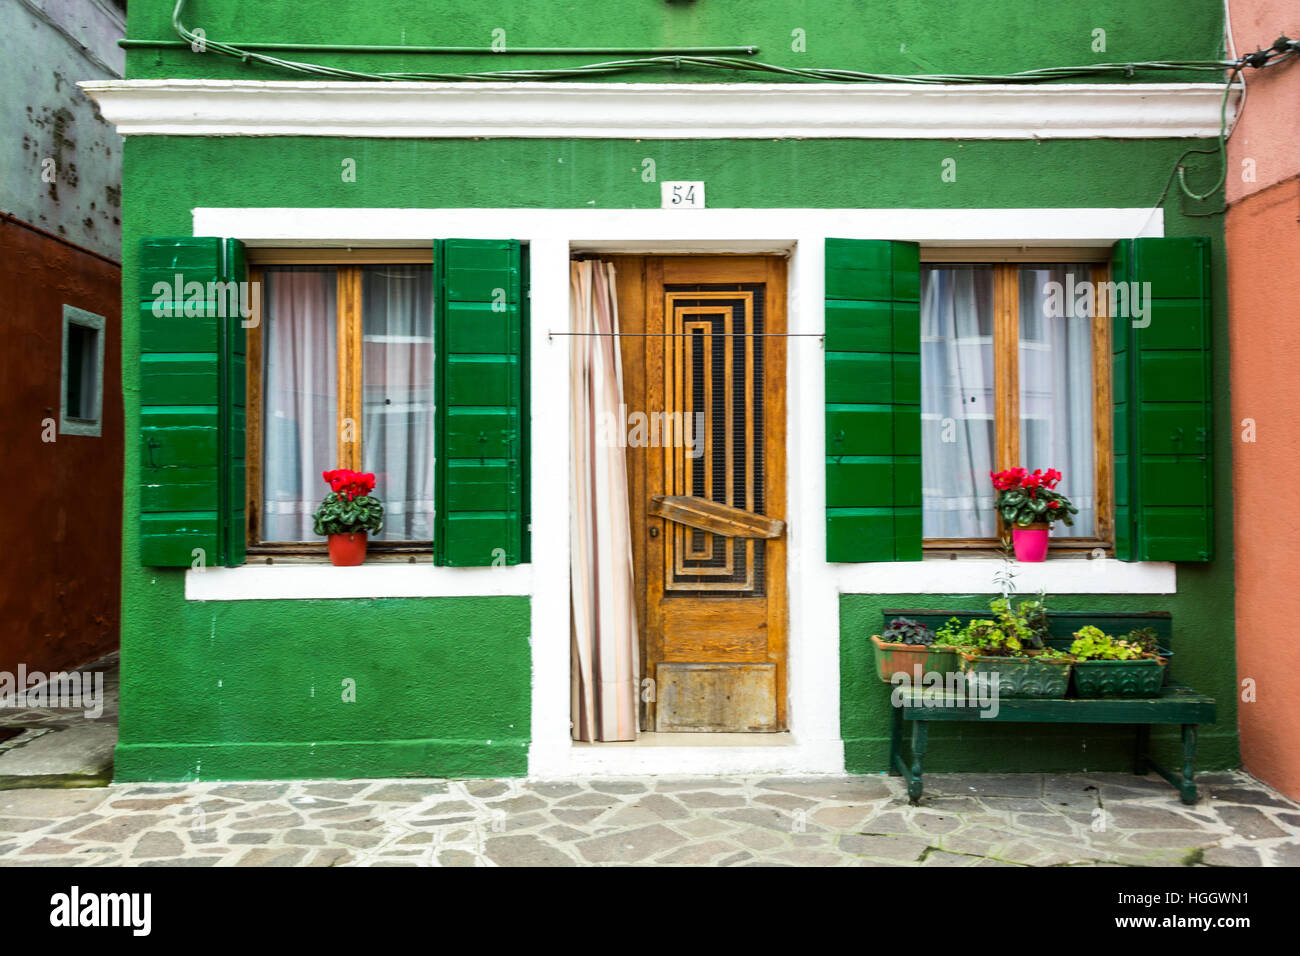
column 60, row 577
column 1263, row 245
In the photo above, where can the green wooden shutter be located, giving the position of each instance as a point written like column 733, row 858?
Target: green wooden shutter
column 482, row 406
column 873, row 400
column 1164, row 456
column 192, row 397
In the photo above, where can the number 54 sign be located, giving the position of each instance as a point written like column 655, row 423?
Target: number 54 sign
column 682, row 195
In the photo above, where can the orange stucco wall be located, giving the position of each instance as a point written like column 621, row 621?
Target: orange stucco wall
column 1263, row 246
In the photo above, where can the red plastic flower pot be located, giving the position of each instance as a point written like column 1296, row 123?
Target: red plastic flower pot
column 1031, row 542
column 347, row 550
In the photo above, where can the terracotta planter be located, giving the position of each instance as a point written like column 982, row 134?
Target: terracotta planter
column 904, row 659
column 1030, row 542
column 347, row 550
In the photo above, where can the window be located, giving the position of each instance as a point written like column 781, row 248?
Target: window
column 82, row 386
column 341, row 376
column 1012, row 373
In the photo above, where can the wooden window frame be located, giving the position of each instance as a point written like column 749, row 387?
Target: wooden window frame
column 1006, row 265
column 349, row 348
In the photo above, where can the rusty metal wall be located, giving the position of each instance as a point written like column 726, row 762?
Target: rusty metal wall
column 60, row 536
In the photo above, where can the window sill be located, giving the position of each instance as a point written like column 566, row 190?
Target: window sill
column 950, row 573
column 319, row 580
column 321, row 556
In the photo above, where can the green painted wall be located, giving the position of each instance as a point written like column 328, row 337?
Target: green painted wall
column 253, row 689
column 882, row 36
column 171, row 175
column 256, row 689
column 225, row 689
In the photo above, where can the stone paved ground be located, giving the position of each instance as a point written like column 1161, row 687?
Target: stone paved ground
column 965, row 820
column 61, row 746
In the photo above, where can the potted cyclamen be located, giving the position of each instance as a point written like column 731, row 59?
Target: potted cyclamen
column 1029, row 502
column 348, row 514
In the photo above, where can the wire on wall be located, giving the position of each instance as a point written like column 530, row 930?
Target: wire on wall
column 1282, row 50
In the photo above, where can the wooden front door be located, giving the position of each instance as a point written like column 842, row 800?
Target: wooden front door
column 704, row 389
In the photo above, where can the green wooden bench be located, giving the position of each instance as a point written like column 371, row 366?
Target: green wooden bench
column 1176, row 704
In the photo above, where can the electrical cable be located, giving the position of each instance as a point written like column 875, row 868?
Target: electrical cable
column 1232, row 55
column 1281, row 50
column 633, row 64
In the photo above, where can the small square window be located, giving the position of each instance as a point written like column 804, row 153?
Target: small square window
column 82, row 386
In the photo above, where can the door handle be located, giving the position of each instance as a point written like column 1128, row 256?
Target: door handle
column 654, row 531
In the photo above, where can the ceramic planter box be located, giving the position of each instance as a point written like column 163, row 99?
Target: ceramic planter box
column 1140, row 678
column 894, row 659
column 1022, row 676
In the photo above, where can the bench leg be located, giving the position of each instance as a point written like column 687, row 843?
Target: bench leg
column 920, row 736
column 1187, row 789
column 896, row 742
column 1184, row 783
column 1141, row 745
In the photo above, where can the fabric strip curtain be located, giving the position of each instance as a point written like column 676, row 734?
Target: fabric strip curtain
column 605, row 666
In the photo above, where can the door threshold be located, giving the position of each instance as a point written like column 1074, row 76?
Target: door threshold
column 784, row 739
column 687, row 754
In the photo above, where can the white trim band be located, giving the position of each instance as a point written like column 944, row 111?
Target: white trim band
column 660, row 110
column 315, row 582
column 670, row 231
column 977, row 575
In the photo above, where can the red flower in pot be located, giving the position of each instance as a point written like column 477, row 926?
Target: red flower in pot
column 348, row 514
column 1029, row 503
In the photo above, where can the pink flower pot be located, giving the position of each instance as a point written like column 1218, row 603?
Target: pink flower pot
column 1031, row 542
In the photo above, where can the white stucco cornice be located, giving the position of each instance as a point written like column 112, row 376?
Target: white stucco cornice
column 659, row 110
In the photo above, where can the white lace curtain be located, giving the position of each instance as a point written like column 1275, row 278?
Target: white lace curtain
column 299, row 396
column 1056, row 391
column 397, row 403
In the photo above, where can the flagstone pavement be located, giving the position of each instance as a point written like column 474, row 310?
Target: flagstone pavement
column 964, row 820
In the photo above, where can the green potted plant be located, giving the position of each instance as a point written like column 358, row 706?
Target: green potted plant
column 348, row 514
column 1111, row 667
column 1148, row 638
column 1029, row 503
column 946, row 649
column 1011, row 646
column 905, row 645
